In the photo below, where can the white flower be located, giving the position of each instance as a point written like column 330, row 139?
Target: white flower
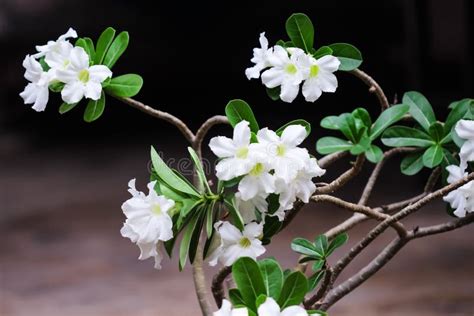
column 55, row 46
column 237, row 153
column 301, row 186
column 257, row 181
column 465, row 130
column 148, row 221
column 260, row 58
column 236, row 244
column 60, row 58
column 286, row 72
column 319, row 76
column 282, row 152
column 80, row 79
column 271, row 308
column 227, row 310
column 36, row 92
column 461, row 199
column 247, row 208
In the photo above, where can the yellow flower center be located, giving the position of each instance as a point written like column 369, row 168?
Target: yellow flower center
column 313, row 70
column 281, row 150
column 291, row 69
column 83, row 75
column 156, row 209
column 242, row 152
column 257, row 169
column 245, row 242
column 66, row 63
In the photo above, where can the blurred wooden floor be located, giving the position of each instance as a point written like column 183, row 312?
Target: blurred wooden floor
column 61, row 252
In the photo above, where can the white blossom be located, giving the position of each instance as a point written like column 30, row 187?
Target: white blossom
column 60, row 58
column 257, row 181
column 271, row 308
column 286, row 71
column 82, row 80
column 55, row 46
column 237, row 153
column 37, row 91
column 260, row 58
column 247, row 208
column 461, row 199
column 319, row 76
column 227, row 310
column 236, row 244
column 465, row 130
column 148, row 222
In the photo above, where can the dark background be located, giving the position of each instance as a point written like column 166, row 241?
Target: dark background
column 62, row 180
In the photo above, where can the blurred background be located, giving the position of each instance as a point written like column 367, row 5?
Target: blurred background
column 62, row 180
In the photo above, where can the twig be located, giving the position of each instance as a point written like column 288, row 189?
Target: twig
column 322, row 291
column 206, row 126
column 328, row 160
column 374, row 87
column 218, row 285
column 344, row 178
column 387, row 254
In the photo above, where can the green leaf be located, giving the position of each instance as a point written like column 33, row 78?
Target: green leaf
column 169, row 177
column 433, row 156
column 322, row 51
column 236, row 298
column 199, row 169
column 56, row 86
column 237, row 111
column 270, row 228
column 186, row 241
column 103, row 44
column 412, row 164
column 436, row 131
column 458, row 111
column 210, row 217
column 249, row 280
column 329, row 145
column 260, row 300
column 65, row 107
column 363, row 116
column 116, row 49
column 374, row 154
column 274, row 93
column 398, row 136
column 348, row 127
column 301, row 122
column 293, row 291
column 272, row 276
column 305, row 247
column 362, row 145
column 331, row 122
column 125, row 86
column 314, row 280
column 388, row 117
column 234, row 212
column 420, row 108
column 337, row 242
column 349, row 56
column 301, row 31
column 94, row 109
column 88, row 46
column 321, row 244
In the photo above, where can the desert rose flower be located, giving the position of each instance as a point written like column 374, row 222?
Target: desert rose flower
column 257, row 181
column 461, row 199
column 465, row 130
column 36, row 92
column 55, row 46
column 247, row 208
column 271, row 308
column 82, row 80
column 260, row 58
column 319, row 76
column 227, row 310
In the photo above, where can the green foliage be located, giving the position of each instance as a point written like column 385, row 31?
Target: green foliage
column 359, row 131
column 103, row 44
column 294, row 289
column 349, row 56
column 301, row 122
column 65, row 107
column 94, row 109
column 116, row 49
column 249, row 281
column 301, row 31
column 272, row 276
column 239, row 110
column 125, row 85
column 319, row 250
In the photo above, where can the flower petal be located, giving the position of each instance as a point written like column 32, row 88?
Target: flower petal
column 311, row 90
column 241, row 134
column 72, row 92
column 289, row 92
column 269, row 308
column 293, row 135
column 99, row 73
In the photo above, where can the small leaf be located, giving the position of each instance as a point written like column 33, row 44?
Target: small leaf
column 237, row 111
column 420, row 108
column 272, row 276
column 399, row 136
column 436, row 131
column 103, row 44
column 249, row 280
column 274, row 93
column 329, row 145
column 271, row 227
column 234, row 212
column 186, row 241
column 236, row 298
column 125, row 86
column 412, row 164
column 388, row 117
column 56, row 86
column 348, row 127
column 374, row 154
column 301, row 122
column 199, row 169
column 116, row 49
column 349, row 56
column 314, row 280
column 363, row 116
column 458, row 111
column 94, row 109
column 433, row 156
column 293, row 291
column 65, row 107
column 337, row 242
column 301, row 31
column 322, row 51
column 88, row 48
column 305, row 247
column 321, row 245
column 331, row 122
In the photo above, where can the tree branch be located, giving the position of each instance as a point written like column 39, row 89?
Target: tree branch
column 374, row 87
column 322, row 291
column 206, row 126
column 344, row 178
column 218, row 285
column 328, row 160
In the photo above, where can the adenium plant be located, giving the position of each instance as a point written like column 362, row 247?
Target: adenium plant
column 265, row 176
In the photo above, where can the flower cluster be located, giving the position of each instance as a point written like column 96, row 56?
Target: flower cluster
column 462, row 199
column 288, row 67
column 59, row 62
column 268, row 308
column 273, row 164
column 148, row 223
